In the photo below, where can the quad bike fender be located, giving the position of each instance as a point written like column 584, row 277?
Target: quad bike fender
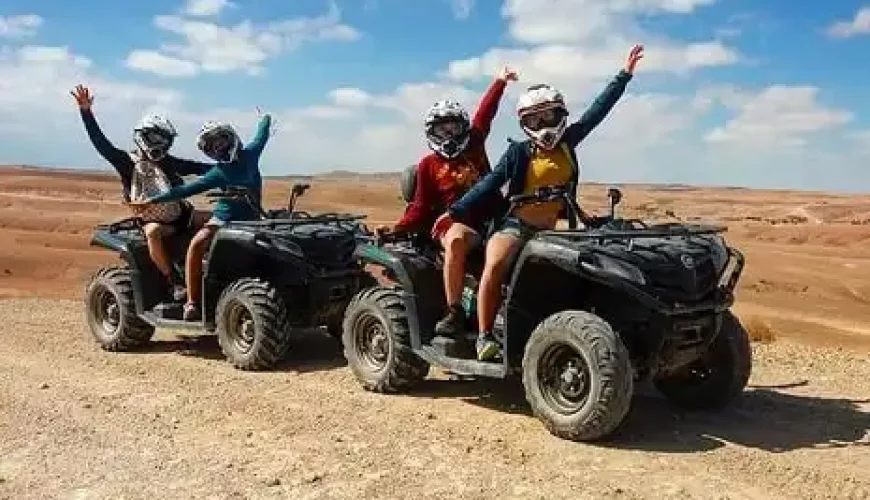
column 395, row 269
column 109, row 241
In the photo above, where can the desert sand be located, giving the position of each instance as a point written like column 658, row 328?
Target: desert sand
column 178, row 422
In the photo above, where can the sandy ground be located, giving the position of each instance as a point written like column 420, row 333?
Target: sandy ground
column 178, row 422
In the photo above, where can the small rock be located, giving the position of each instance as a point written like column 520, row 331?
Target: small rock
column 7, row 272
column 249, row 434
column 314, row 478
column 87, row 406
column 43, row 386
column 176, row 420
column 430, row 416
column 273, row 482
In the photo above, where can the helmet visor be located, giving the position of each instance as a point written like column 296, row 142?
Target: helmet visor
column 545, row 118
column 448, row 129
column 218, row 145
column 153, row 138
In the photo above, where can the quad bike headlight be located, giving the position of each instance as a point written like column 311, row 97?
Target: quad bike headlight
column 616, row 267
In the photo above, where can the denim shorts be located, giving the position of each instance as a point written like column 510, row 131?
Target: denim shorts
column 514, row 227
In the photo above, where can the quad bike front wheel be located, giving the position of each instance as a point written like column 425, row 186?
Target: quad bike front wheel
column 377, row 342
column 335, row 323
column 713, row 381
column 577, row 376
column 111, row 311
column 252, row 325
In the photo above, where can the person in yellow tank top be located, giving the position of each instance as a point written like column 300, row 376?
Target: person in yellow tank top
column 546, row 159
column 548, row 167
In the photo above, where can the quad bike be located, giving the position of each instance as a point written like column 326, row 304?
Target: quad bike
column 586, row 315
column 262, row 280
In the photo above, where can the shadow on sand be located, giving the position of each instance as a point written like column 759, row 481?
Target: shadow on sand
column 310, row 350
column 764, row 417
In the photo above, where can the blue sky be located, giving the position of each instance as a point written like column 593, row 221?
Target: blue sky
column 732, row 92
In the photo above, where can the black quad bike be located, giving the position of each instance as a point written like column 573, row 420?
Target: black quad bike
column 262, row 280
column 586, row 315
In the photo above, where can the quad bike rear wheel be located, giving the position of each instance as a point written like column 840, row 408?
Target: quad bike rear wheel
column 577, row 376
column 377, row 342
column 252, row 324
column 111, row 311
column 718, row 377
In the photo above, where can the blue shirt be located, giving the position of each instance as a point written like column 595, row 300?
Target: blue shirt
column 243, row 172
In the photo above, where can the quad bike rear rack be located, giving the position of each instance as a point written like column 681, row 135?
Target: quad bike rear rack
column 662, row 231
column 298, row 221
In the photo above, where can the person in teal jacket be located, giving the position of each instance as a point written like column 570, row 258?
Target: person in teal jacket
column 546, row 158
column 237, row 166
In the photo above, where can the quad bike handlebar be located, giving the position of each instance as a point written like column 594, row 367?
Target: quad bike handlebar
column 546, row 194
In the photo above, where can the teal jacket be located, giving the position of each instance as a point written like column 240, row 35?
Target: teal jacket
column 514, row 163
column 244, row 172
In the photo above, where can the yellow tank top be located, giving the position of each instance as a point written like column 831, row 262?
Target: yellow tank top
column 547, row 168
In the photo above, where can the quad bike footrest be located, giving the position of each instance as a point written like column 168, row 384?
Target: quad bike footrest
column 454, row 348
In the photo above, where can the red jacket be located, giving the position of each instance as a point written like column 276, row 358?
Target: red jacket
column 440, row 181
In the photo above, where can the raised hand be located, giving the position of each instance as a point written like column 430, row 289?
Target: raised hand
column 634, row 56
column 507, row 74
column 83, row 96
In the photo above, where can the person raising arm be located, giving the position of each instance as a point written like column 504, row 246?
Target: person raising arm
column 147, row 171
column 237, row 166
column 546, row 158
column 458, row 160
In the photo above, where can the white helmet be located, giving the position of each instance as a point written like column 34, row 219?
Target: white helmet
column 543, row 115
column 219, row 141
column 154, row 135
column 448, row 128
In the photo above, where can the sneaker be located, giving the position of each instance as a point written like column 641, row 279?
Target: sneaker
column 191, row 312
column 453, row 324
column 487, row 347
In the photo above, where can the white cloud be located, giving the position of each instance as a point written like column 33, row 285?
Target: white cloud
column 243, row 47
column 159, row 64
column 649, row 136
column 38, row 77
column 859, row 25
column 19, row 26
column 206, row 8
column 558, row 62
column 577, row 44
column 571, row 21
column 461, row 8
column 777, row 116
column 348, row 96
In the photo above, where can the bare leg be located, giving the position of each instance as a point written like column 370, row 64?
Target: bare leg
column 458, row 240
column 154, row 234
column 193, row 264
column 499, row 252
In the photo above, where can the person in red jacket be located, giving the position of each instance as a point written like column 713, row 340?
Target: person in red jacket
column 458, row 160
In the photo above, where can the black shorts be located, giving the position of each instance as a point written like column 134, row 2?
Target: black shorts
column 185, row 220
